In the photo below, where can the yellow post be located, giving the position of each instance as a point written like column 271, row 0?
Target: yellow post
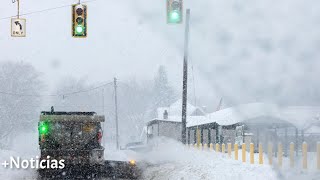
column 198, row 137
column 304, row 155
column 200, row 146
column 260, row 154
column 244, row 152
column 223, row 148
column 195, row 145
column 211, row 147
column 205, row 146
column 318, row 155
column 236, row 151
column 280, row 155
column 291, row 155
column 270, row 153
column 229, row 150
column 217, row 147
column 251, row 153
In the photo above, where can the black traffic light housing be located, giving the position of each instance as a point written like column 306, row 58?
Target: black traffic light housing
column 79, row 20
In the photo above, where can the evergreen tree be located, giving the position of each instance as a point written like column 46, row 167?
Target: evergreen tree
column 163, row 93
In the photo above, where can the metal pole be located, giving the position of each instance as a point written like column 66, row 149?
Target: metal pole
column 147, row 132
column 194, row 136
column 258, row 138
column 209, row 136
column 296, row 146
column 185, row 79
column 286, row 142
column 116, row 111
column 276, row 143
column 188, row 130
column 103, row 141
column 18, row 8
column 201, row 135
column 217, row 134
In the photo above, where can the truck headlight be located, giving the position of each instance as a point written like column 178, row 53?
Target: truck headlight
column 132, row 162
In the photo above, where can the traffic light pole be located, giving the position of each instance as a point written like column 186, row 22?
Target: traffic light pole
column 18, row 9
column 185, row 80
column 116, row 111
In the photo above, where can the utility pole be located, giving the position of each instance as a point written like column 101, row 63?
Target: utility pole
column 185, row 80
column 116, row 111
column 102, row 91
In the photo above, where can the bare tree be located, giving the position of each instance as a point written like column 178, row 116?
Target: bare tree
column 20, row 85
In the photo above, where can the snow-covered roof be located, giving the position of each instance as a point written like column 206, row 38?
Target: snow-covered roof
column 175, row 109
column 190, row 119
column 313, row 130
column 238, row 114
column 299, row 116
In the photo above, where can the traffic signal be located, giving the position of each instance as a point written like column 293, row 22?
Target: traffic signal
column 174, row 11
column 79, row 20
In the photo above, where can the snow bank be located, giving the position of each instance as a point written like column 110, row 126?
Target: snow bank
column 24, row 146
column 171, row 160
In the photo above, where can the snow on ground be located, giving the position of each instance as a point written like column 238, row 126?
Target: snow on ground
column 24, row 146
column 171, row 160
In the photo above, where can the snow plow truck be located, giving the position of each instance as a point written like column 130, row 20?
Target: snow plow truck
column 74, row 140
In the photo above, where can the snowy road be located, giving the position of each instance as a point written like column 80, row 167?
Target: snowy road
column 168, row 160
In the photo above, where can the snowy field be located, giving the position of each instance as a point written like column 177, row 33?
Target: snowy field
column 168, row 160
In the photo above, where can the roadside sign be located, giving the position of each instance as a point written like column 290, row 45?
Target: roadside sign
column 18, row 27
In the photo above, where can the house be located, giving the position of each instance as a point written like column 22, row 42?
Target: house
column 250, row 123
column 168, row 120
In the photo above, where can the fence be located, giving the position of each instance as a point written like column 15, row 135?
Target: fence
column 270, row 153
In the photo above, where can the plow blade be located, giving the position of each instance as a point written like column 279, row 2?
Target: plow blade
column 110, row 169
column 121, row 169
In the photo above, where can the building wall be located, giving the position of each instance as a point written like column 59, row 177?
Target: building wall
column 170, row 130
column 228, row 136
column 166, row 129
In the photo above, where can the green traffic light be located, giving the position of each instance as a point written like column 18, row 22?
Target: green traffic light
column 174, row 16
column 79, row 29
column 44, row 128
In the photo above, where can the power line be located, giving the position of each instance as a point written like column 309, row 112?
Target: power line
column 44, row 10
column 54, row 95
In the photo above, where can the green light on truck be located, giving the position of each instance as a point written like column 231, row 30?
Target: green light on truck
column 43, row 128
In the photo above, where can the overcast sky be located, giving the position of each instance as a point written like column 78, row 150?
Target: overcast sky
column 244, row 51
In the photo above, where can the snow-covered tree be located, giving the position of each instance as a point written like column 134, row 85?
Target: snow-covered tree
column 20, row 87
column 134, row 106
column 163, row 93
